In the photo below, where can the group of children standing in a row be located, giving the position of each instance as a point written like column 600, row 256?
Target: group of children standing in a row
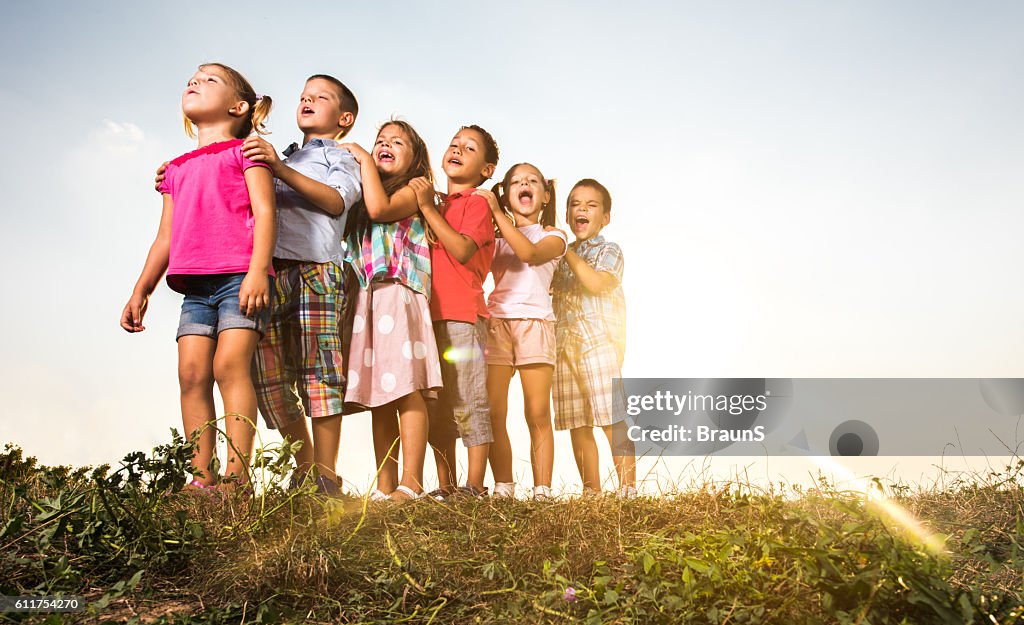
column 270, row 317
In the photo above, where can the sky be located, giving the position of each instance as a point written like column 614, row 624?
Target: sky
column 800, row 189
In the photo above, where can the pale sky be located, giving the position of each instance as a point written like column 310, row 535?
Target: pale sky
column 801, row 189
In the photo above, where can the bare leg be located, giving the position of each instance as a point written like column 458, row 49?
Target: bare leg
column 326, row 440
column 477, row 465
column 444, row 457
column 195, row 379
column 536, row 381
column 624, row 453
column 385, row 451
column 498, row 378
column 298, row 430
column 412, row 411
column 584, row 449
column 232, row 368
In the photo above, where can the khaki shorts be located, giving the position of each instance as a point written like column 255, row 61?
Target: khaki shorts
column 518, row 342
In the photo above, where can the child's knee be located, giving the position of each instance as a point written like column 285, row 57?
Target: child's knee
column 227, row 372
column 582, row 435
column 194, row 377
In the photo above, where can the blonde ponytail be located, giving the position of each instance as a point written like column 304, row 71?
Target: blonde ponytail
column 260, row 113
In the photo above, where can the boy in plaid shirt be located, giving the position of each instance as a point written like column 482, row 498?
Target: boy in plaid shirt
column 590, row 331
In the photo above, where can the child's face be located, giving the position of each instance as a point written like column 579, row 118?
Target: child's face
column 319, row 110
column 526, row 194
column 586, row 214
column 209, row 96
column 392, row 152
column 464, row 161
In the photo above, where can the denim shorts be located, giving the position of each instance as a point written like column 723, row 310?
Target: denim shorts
column 211, row 306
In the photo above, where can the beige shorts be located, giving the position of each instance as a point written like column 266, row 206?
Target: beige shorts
column 518, row 342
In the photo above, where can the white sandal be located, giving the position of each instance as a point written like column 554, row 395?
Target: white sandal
column 408, row 492
column 378, row 495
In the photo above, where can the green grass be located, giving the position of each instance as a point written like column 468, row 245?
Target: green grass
column 140, row 550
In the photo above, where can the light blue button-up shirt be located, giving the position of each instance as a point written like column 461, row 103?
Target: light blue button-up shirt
column 305, row 232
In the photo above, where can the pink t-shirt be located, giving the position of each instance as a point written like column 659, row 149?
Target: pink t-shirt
column 522, row 291
column 212, row 222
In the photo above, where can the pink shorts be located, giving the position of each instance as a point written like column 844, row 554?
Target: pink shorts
column 518, row 342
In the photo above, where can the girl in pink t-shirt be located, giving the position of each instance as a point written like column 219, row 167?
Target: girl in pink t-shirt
column 521, row 329
column 215, row 241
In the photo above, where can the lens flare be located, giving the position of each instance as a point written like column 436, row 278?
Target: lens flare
column 889, row 511
column 461, row 354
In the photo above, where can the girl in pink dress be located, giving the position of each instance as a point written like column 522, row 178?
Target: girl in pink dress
column 214, row 242
column 392, row 354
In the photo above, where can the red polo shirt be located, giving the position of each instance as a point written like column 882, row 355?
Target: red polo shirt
column 457, row 290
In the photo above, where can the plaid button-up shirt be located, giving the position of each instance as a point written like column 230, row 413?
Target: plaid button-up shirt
column 590, row 319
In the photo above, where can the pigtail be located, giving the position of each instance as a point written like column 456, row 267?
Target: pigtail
column 190, row 128
column 548, row 212
column 260, row 113
column 499, row 192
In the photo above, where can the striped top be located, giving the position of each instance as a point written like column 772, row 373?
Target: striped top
column 392, row 251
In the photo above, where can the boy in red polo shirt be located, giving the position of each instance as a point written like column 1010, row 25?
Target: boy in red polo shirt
column 461, row 257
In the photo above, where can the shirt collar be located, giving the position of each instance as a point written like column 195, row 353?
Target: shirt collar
column 312, row 143
column 589, row 243
column 463, row 193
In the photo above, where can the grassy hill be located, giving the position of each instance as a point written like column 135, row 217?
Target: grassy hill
column 141, row 550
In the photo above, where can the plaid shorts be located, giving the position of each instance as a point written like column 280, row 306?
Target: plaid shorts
column 583, row 386
column 298, row 366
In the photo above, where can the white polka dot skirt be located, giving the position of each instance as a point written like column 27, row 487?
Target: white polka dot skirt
column 392, row 352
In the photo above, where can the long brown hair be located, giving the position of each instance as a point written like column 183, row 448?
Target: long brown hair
column 259, row 105
column 419, row 165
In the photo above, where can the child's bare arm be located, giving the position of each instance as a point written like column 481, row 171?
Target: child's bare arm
column 152, row 271
column 590, row 279
column 525, row 250
column 254, row 294
column 323, row 196
column 379, row 206
column 460, row 246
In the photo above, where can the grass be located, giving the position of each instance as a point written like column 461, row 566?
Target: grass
column 141, row 550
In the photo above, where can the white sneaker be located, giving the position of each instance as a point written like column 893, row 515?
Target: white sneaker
column 504, row 489
column 541, row 493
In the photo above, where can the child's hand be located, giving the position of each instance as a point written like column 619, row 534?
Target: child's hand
column 254, row 294
column 260, row 150
column 159, row 175
column 134, row 310
column 362, row 156
column 492, row 201
column 424, row 191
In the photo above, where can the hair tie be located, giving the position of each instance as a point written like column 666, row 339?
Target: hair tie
column 259, row 96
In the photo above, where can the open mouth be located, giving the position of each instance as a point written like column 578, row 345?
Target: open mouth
column 525, row 197
column 454, row 161
column 581, row 221
column 385, row 157
column 307, row 111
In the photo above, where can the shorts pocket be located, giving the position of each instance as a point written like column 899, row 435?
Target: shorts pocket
column 313, row 277
column 324, row 279
column 329, row 366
